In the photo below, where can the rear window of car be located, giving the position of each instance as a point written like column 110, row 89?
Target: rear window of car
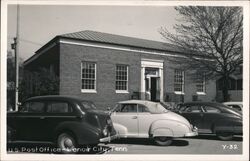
column 33, row 107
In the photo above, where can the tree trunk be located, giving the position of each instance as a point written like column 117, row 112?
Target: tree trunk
column 225, row 88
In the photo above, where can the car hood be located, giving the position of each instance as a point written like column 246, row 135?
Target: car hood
column 174, row 116
column 102, row 116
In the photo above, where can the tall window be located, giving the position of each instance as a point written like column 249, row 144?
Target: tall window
column 200, row 84
column 179, row 81
column 121, row 83
column 88, row 76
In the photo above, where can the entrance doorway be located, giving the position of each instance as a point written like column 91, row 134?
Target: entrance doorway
column 152, row 80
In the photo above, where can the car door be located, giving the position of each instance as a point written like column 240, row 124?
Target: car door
column 57, row 112
column 210, row 116
column 30, row 125
column 126, row 115
column 194, row 114
column 145, row 119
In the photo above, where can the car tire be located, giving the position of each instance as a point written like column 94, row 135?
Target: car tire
column 225, row 136
column 66, row 143
column 163, row 141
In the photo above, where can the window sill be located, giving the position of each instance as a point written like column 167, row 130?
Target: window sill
column 121, row 91
column 200, row 93
column 179, row 93
column 88, row 91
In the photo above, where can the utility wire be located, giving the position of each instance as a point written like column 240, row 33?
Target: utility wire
column 32, row 42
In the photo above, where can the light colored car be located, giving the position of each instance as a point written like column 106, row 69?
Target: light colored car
column 236, row 105
column 146, row 119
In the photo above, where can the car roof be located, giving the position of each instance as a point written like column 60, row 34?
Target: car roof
column 204, row 103
column 137, row 101
column 232, row 103
column 57, row 97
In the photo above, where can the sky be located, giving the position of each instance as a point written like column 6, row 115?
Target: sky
column 40, row 23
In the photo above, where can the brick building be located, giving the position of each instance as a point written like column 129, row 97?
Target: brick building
column 107, row 68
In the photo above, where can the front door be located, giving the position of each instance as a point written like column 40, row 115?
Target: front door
column 210, row 116
column 194, row 114
column 56, row 113
column 127, row 116
column 155, row 89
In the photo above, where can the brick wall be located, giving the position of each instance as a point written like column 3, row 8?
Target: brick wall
column 71, row 57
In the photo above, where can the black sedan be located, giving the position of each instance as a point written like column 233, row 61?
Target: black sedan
column 212, row 118
column 65, row 121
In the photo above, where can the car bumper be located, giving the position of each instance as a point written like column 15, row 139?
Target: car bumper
column 193, row 133
column 108, row 139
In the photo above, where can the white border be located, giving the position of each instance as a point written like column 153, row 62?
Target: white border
column 244, row 156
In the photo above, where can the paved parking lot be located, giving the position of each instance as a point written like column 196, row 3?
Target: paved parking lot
column 206, row 144
column 198, row 145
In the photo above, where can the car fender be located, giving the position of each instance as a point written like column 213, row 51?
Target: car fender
column 11, row 134
column 226, row 125
column 83, row 132
column 167, row 127
column 121, row 130
column 162, row 131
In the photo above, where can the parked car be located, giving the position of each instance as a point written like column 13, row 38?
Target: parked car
column 67, row 122
column 146, row 119
column 213, row 118
column 236, row 105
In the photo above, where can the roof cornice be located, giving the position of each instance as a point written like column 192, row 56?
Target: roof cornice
column 74, row 41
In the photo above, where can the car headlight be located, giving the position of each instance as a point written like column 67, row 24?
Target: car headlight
column 105, row 131
column 109, row 121
column 191, row 126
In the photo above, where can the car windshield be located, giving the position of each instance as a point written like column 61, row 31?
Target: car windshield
column 88, row 105
column 156, row 108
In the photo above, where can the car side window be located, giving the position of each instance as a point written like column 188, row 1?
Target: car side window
column 33, row 107
column 235, row 107
column 59, row 107
column 193, row 109
column 210, row 109
column 142, row 108
column 129, row 108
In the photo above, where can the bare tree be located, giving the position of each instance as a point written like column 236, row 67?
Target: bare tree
column 215, row 34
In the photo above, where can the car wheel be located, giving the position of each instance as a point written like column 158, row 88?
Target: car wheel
column 225, row 136
column 66, row 143
column 163, row 141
